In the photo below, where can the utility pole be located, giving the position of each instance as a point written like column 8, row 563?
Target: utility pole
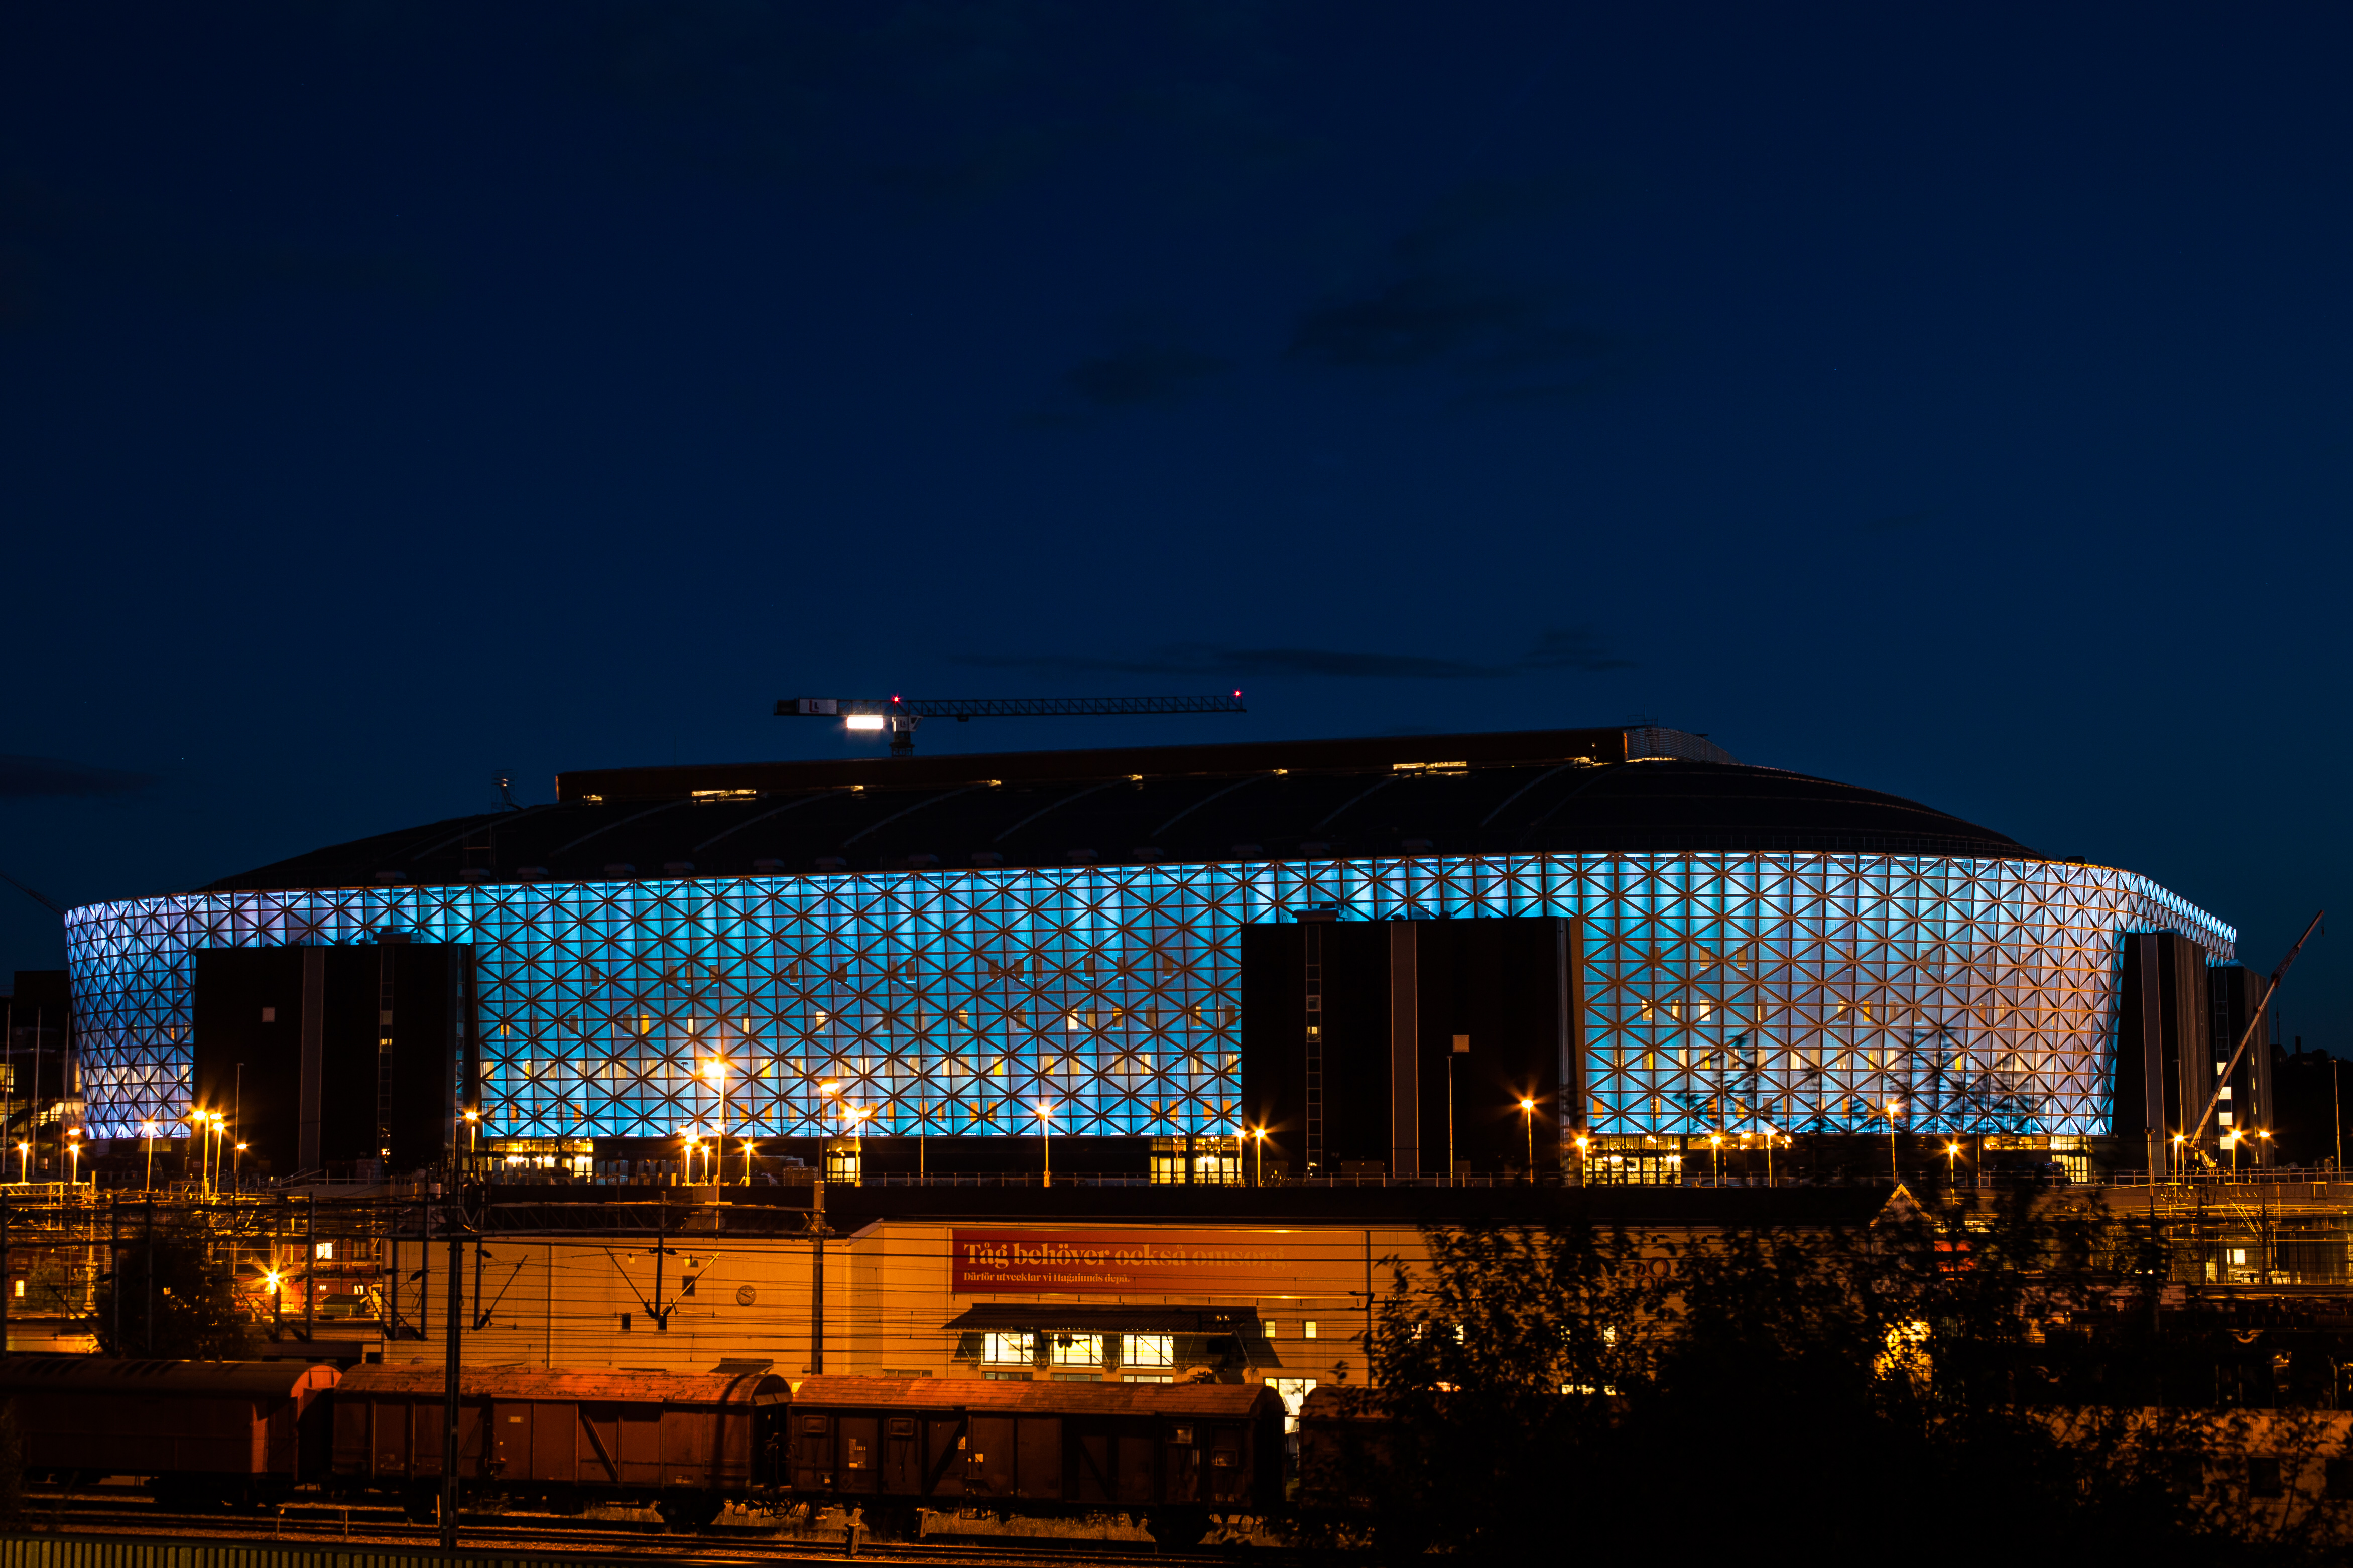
column 816, row 1275
column 1460, row 1046
column 449, row 1391
column 662, row 1250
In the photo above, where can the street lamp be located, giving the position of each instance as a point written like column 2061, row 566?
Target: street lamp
column 1046, row 1122
column 1257, row 1158
column 272, row 1278
column 215, row 1132
column 1528, row 1125
column 237, row 1171
column 1715, row 1156
column 714, row 1072
column 23, row 1162
column 73, row 1156
column 148, row 1129
column 473, row 1136
column 1952, row 1153
column 2181, row 1161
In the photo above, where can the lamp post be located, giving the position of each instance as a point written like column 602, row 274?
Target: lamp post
column 148, row 1129
column 1528, row 1125
column 1257, row 1158
column 1894, row 1109
column 825, row 1091
column 276, row 1281
column 473, row 1137
column 1715, row 1157
column 2180, row 1161
column 237, row 1171
column 714, row 1072
column 1952, row 1154
column 24, row 1162
column 1580, row 1159
column 73, row 1157
column 1045, row 1124
column 2233, row 1140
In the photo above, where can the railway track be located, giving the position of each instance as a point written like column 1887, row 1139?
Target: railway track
column 723, row 1545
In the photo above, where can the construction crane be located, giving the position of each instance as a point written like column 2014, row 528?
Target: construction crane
column 899, row 715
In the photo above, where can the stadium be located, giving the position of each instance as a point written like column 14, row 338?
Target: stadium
column 954, row 955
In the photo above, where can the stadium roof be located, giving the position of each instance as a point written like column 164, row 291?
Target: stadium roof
column 1522, row 793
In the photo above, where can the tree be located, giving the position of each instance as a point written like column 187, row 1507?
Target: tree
column 1938, row 1385
column 197, row 1315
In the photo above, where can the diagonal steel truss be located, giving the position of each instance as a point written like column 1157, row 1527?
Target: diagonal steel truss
column 1802, row 990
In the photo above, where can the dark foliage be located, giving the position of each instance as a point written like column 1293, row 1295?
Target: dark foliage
column 194, row 1308
column 1941, row 1387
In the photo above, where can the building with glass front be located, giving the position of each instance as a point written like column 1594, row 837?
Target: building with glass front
column 965, row 948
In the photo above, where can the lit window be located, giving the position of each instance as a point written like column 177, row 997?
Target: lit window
column 1149, row 1350
column 1307, row 1330
column 1077, row 1350
column 1270, row 1329
column 1013, row 1347
column 324, row 1251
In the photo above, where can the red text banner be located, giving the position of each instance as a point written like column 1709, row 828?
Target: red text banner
column 1122, row 1262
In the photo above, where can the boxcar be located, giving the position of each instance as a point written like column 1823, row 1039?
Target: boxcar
column 202, row 1432
column 1177, row 1454
column 686, row 1443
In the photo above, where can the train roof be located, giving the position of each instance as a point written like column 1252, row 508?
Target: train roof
column 1203, row 1401
column 250, row 1379
column 425, row 1380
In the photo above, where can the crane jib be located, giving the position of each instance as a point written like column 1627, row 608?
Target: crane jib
column 1001, row 707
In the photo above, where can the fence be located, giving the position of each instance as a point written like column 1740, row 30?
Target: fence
column 151, row 1551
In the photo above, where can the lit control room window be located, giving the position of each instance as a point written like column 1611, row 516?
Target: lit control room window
column 1007, row 1350
column 1146, row 1351
column 1076, row 1350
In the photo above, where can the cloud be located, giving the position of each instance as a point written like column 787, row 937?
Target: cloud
column 51, row 238
column 1453, row 296
column 1899, row 521
column 1140, row 375
column 1414, row 322
column 37, row 778
column 1562, row 649
column 1571, row 647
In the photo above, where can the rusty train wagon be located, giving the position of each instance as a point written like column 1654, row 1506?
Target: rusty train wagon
column 1177, row 1454
column 205, row 1433
column 686, row 1443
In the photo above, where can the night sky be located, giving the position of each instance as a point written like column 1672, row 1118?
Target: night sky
column 1949, row 400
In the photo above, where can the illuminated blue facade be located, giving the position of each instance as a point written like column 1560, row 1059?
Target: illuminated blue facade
column 1807, row 990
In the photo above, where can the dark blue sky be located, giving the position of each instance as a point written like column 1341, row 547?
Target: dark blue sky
column 1952, row 401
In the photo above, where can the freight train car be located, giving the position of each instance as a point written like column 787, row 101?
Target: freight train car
column 1178, row 1455
column 685, row 1443
column 205, row 1433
